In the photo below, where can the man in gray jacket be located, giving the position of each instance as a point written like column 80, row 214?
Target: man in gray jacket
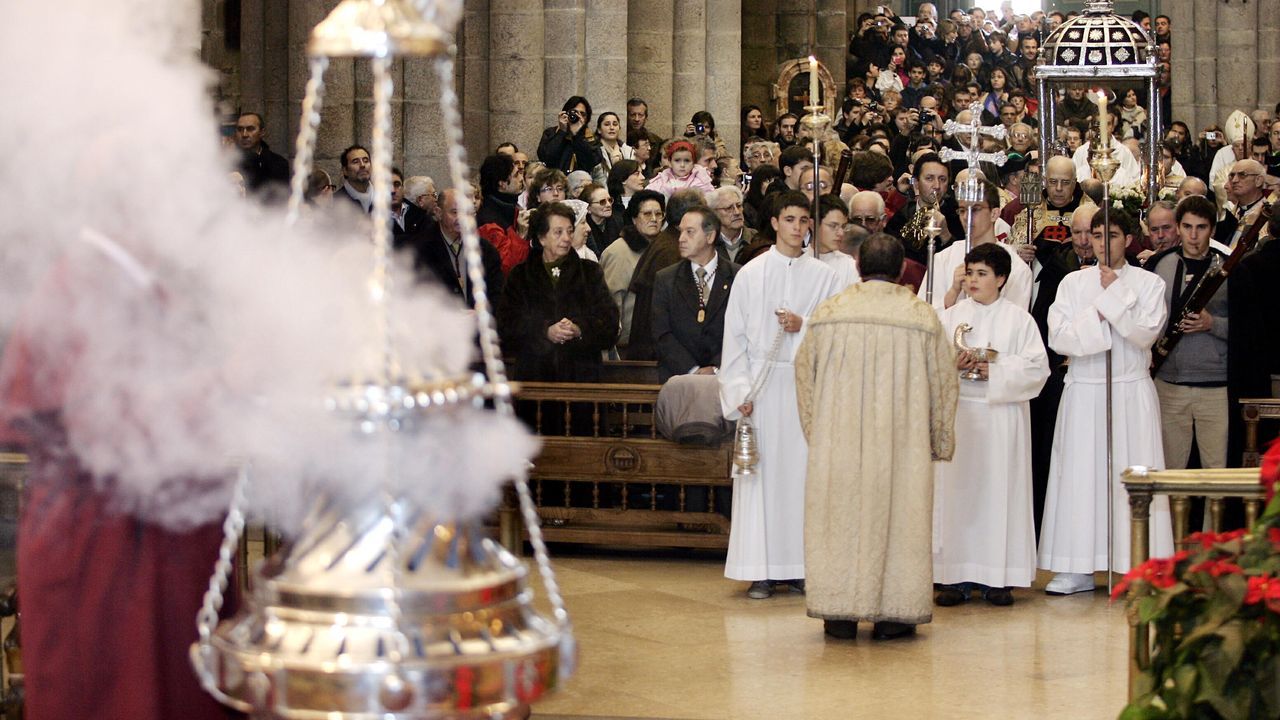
column 1192, row 382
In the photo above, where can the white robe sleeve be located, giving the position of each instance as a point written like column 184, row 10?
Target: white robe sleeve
column 1018, row 288
column 1019, row 372
column 735, row 367
column 1135, row 310
column 1075, row 329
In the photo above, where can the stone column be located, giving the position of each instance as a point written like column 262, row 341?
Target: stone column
column 650, row 27
column 724, row 69
column 689, row 61
column 833, row 47
column 338, row 116
column 472, row 83
column 1182, row 16
column 759, row 54
column 606, row 66
column 1237, row 51
column 1268, row 54
column 1205, row 65
column 423, row 142
column 564, row 44
column 253, row 59
column 516, row 73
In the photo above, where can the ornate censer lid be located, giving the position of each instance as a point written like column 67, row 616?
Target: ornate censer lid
column 1097, row 43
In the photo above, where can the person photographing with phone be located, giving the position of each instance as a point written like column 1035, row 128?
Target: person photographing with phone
column 568, row 145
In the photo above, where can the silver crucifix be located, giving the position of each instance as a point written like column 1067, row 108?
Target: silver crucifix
column 970, row 135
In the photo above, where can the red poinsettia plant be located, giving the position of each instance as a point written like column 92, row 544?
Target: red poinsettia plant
column 1214, row 614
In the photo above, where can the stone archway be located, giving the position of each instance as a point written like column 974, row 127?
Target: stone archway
column 791, row 90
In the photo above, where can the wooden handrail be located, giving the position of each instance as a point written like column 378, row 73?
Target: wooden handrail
column 1255, row 410
column 1143, row 484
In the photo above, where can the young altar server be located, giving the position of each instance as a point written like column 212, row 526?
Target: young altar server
column 774, row 293
column 984, row 537
column 948, row 264
column 1119, row 307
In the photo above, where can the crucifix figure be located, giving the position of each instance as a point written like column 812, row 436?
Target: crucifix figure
column 970, row 135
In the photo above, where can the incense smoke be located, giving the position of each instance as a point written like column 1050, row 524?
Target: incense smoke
column 187, row 329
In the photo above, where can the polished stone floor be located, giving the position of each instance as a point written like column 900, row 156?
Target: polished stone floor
column 665, row 635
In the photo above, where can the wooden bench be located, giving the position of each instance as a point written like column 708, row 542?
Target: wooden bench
column 605, row 477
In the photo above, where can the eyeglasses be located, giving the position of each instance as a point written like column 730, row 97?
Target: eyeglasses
column 1020, row 136
column 603, row 201
column 552, row 188
column 1234, row 175
column 736, row 207
column 821, row 184
column 863, row 219
column 652, row 214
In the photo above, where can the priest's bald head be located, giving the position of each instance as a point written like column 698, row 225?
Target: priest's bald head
column 880, row 258
column 1060, row 180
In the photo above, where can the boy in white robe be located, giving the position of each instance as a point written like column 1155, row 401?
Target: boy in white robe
column 775, row 292
column 984, row 537
column 948, row 264
column 833, row 215
column 1119, row 307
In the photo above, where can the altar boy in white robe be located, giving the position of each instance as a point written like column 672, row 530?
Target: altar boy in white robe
column 833, row 216
column 948, row 264
column 772, row 294
column 984, row 536
column 1119, row 307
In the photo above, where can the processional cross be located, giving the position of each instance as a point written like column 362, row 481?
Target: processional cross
column 970, row 135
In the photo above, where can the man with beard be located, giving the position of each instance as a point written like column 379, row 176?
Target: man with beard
column 257, row 163
column 357, row 171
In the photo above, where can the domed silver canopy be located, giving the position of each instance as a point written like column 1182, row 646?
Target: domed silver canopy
column 1097, row 43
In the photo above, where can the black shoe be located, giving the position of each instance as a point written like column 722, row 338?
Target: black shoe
column 760, row 589
column 891, row 630
column 797, row 585
column 840, row 629
column 998, row 596
column 950, row 596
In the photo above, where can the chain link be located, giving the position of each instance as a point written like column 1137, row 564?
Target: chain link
column 495, row 368
column 304, row 149
column 232, row 529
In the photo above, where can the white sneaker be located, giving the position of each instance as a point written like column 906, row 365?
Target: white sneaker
column 1069, row 584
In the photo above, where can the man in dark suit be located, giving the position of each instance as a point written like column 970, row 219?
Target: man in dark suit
column 406, row 218
column 440, row 255
column 258, row 163
column 689, row 299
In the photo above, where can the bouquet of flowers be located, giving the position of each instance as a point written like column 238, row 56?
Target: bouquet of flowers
column 1214, row 614
column 1130, row 198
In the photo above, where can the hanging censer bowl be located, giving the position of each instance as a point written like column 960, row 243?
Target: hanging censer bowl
column 380, row 608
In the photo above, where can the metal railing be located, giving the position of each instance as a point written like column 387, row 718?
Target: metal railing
column 1143, row 485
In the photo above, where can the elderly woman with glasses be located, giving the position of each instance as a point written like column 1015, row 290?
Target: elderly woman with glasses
column 604, row 224
column 644, row 220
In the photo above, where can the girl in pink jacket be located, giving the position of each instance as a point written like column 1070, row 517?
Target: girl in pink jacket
column 682, row 172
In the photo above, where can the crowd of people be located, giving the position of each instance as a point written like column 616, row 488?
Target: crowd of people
column 611, row 242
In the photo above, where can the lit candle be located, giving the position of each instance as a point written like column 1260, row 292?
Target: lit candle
column 813, row 80
column 1104, row 122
